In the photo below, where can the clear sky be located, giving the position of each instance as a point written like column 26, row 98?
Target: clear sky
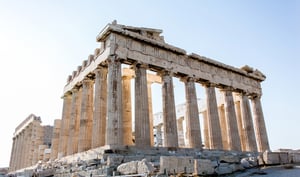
column 42, row 42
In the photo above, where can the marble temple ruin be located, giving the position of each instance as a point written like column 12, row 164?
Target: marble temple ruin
column 31, row 143
column 99, row 109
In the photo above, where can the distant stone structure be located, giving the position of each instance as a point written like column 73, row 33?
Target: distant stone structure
column 97, row 100
column 30, row 141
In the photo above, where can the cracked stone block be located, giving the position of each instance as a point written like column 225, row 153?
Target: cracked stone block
column 203, row 167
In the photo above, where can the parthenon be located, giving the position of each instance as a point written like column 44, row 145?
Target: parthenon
column 108, row 118
column 97, row 108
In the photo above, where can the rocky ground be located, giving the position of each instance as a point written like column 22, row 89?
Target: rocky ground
column 163, row 162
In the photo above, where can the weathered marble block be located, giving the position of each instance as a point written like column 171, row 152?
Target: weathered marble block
column 174, row 164
column 271, row 158
column 203, row 167
column 294, row 157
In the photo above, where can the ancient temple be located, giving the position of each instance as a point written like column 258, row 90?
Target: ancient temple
column 31, row 143
column 97, row 108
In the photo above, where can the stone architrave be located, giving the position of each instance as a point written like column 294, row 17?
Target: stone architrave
column 169, row 113
column 64, row 131
column 114, row 127
column 247, row 123
column 142, row 123
column 127, row 113
column 259, row 125
column 233, row 137
column 86, row 118
column 75, row 118
column 214, row 129
column 100, row 107
column 206, row 130
column 192, row 115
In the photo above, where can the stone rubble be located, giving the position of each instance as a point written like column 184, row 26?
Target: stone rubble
column 158, row 162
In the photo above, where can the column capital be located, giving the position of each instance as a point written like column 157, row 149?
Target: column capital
column 87, row 80
column 227, row 88
column 100, row 68
column 67, row 95
column 255, row 96
column 140, row 65
column 243, row 93
column 187, row 79
column 165, row 73
column 152, row 78
column 75, row 89
column 128, row 73
column 208, row 84
column 113, row 58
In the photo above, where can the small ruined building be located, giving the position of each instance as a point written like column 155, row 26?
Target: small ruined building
column 100, row 125
column 31, row 143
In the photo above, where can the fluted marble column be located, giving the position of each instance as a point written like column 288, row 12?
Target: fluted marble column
column 19, row 161
column 181, row 138
column 159, row 135
column 114, row 127
column 16, row 157
column 21, row 151
column 38, row 141
column 238, row 111
column 233, row 137
column 142, row 123
column 149, row 83
column 55, row 139
column 75, row 120
column 12, row 155
column 32, row 140
column 86, row 116
column 247, row 123
column 223, row 125
column 206, row 130
column 169, row 113
column 27, row 144
column 213, row 118
column 192, row 115
column 127, row 111
column 259, row 125
column 64, row 131
column 100, row 107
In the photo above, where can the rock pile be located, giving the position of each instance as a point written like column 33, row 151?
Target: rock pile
column 158, row 162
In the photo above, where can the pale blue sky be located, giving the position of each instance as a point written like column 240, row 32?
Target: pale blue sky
column 42, row 42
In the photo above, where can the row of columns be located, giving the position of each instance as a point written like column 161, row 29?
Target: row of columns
column 234, row 127
column 93, row 118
